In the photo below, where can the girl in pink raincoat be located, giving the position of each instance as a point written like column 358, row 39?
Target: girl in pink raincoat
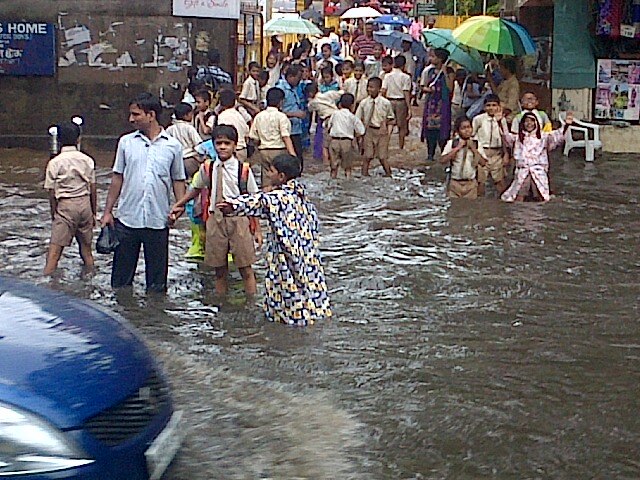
column 530, row 147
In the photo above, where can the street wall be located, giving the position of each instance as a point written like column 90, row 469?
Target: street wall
column 107, row 52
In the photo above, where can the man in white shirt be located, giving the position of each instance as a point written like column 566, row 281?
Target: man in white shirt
column 343, row 126
column 231, row 116
column 396, row 86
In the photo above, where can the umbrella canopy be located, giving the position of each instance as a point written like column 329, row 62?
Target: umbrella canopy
column 463, row 55
column 495, row 35
column 291, row 25
column 361, row 12
column 393, row 20
column 313, row 15
column 393, row 39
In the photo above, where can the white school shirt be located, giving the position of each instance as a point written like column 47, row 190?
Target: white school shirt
column 230, row 189
column 461, row 168
column 487, row 131
column 344, row 124
column 395, row 83
column 375, row 112
column 250, row 90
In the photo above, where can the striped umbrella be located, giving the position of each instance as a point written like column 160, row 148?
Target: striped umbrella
column 495, row 35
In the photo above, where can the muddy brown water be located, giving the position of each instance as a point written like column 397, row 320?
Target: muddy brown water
column 470, row 340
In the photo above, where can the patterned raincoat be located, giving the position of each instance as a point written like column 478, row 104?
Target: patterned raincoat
column 296, row 291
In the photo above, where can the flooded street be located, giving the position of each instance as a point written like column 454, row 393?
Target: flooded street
column 469, row 340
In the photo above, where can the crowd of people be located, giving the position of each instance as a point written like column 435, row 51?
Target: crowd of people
column 339, row 106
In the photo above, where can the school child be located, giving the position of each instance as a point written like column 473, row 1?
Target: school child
column 263, row 81
column 342, row 128
column 328, row 80
column 229, row 115
column 347, row 70
column 70, row 180
column 274, row 69
column 357, row 84
column 487, row 132
column 250, row 94
column 271, row 132
column 226, row 178
column 529, row 103
column 373, row 65
column 295, row 287
column 376, row 113
column 302, row 94
column 238, row 106
column 396, row 86
column 530, row 147
column 463, row 158
column 387, row 66
column 324, row 105
column 182, row 129
column 205, row 117
column 327, row 59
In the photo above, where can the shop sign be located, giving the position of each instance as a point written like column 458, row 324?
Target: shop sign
column 27, row 48
column 207, row 8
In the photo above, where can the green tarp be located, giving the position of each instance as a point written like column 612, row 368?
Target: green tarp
column 574, row 64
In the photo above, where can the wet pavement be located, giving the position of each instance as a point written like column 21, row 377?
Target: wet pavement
column 470, row 340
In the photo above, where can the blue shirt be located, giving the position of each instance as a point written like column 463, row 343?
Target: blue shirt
column 292, row 103
column 148, row 170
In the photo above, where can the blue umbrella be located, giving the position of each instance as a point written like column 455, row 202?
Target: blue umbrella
column 392, row 20
column 393, row 39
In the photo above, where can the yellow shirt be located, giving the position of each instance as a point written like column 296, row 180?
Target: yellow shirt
column 269, row 127
column 70, row 173
column 375, row 112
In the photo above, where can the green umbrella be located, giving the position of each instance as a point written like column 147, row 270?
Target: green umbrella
column 495, row 35
column 291, row 25
column 464, row 56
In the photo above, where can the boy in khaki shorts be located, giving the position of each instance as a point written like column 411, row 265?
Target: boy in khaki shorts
column 343, row 126
column 71, row 182
column 225, row 234
column 486, row 130
column 376, row 113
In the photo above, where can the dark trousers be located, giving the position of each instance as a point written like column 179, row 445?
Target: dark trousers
column 156, row 257
column 433, row 140
column 297, row 146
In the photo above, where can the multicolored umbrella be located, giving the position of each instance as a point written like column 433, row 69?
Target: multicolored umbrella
column 291, row 25
column 495, row 35
column 463, row 55
column 392, row 20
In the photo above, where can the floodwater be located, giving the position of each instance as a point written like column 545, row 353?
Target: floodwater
column 470, row 340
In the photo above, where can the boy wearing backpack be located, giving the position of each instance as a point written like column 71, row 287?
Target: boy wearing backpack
column 226, row 178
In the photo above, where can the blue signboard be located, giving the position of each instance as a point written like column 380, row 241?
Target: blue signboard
column 27, row 48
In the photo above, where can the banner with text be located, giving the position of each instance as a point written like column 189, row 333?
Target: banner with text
column 207, row 8
column 27, row 48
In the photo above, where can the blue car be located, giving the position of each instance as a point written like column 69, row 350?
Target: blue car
column 80, row 395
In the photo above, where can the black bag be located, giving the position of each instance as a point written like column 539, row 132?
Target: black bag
column 107, row 240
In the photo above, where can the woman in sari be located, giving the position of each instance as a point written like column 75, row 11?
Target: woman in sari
column 437, row 83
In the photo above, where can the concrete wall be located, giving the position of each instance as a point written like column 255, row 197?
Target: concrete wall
column 29, row 105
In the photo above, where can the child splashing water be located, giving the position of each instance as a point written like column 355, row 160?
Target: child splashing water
column 530, row 147
column 296, row 292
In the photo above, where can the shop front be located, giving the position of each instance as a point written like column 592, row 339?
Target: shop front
column 249, row 38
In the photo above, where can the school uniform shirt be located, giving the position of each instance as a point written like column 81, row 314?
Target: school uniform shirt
column 395, row 83
column 486, row 131
column 250, row 91
column 375, row 112
column 269, row 127
column 70, row 173
column 462, row 167
column 148, row 169
column 230, row 188
column 410, row 65
column 232, row 117
column 325, row 103
column 187, row 135
column 357, row 88
column 344, row 124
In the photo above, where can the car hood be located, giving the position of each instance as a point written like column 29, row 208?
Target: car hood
column 64, row 358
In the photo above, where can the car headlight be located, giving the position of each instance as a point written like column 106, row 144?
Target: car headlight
column 28, row 444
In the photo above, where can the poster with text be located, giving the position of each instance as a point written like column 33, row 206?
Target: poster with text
column 617, row 90
column 27, row 48
column 207, row 8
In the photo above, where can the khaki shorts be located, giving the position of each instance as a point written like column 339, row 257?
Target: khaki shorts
column 376, row 144
column 341, row 153
column 463, row 189
column 493, row 168
column 73, row 218
column 230, row 234
column 401, row 112
column 265, row 159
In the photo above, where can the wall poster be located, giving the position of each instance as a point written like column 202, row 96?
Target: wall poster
column 618, row 90
column 27, row 48
column 207, row 8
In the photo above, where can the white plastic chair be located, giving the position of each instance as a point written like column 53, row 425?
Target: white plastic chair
column 590, row 140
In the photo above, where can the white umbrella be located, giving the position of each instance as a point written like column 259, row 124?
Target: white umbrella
column 361, row 12
column 291, row 25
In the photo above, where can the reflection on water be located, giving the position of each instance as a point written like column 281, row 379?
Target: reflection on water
column 471, row 340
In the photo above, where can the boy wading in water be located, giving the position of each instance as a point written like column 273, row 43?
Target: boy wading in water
column 296, row 291
column 343, row 127
column 225, row 235
column 71, row 182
